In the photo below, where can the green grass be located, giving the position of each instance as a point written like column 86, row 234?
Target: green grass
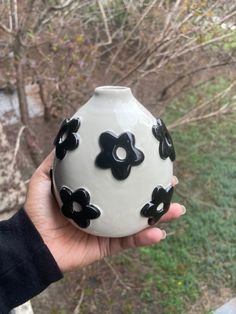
column 203, row 247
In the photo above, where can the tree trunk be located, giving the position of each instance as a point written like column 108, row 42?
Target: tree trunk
column 34, row 149
column 47, row 113
column 20, row 84
column 20, row 79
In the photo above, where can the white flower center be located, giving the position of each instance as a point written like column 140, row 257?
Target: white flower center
column 76, row 207
column 160, row 207
column 63, row 137
column 121, row 153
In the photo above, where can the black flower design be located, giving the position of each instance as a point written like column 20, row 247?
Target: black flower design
column 153, row 210
column 119, row 154
column 67, row 139
column 166, row 147
column 81, row 214
column 51, row 177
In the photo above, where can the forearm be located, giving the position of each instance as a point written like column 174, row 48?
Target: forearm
column 26, row 265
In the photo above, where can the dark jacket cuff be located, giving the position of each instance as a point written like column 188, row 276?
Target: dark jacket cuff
column 26, row 265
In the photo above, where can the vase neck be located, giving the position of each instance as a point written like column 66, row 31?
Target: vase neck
column 113, row 92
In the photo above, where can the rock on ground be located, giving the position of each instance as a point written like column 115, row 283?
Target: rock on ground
column 25, row 308
column 227, row 308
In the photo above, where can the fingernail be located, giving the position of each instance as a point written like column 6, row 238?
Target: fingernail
column 183, row 209
column 175, row 180
column 163, row 234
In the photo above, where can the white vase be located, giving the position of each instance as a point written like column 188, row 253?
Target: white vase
column 113, row 166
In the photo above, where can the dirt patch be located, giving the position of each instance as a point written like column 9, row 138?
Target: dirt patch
column 211, row 299
column 115, row 286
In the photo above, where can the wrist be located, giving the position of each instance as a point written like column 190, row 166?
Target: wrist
column 45, row 235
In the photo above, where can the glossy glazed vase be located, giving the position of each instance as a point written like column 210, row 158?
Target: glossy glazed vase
column 113, row 166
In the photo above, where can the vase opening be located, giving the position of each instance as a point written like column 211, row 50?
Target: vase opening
column 107, row 88
column 109, row 91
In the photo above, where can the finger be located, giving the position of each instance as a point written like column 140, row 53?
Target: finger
column 175, row 211
column 46, row 165
column 174, row 181
column 146, row 237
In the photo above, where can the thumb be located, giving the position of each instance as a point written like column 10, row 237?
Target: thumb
column 44, row 169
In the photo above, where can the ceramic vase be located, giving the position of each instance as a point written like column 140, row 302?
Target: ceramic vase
column 113, row 165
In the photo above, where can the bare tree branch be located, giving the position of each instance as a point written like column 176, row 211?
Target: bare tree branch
column 109, row 39
column 221, row 111
column 77, row 308
column 116, row 274
column 6, row 29
column 17, row 146
column 61, row 7
column 193, row 72
column 15, row 14
column 227, row 17
column 189, row 116
column 131, row 34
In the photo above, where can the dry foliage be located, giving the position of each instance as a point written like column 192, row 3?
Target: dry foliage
column 69, row 46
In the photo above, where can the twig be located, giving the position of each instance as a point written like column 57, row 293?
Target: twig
column 16, row 149
column 130, row 34
column 184, row 75
column 109, row 39
column 61, row 7
column 228, row 17
column 26, row 181
column 207, row 43
column 77, row 308
column 49, row 13
column 142, row 62
column 15, row 14
column 9, row 14
column 222, row 110
column 116, row 274
column 6, row 29
column 170, row 233
column 186, row 118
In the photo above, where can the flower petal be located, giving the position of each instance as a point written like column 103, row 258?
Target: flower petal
column 60, row 132
column 103, row 160
column 160, row 195
column 80, row 219
column 66, row 211
column 73, row 125
column 66, row 195
column 138, row 156
column 71, row 142
column 107, row 141
column 126, row 139
column 121, row 170
column 81, row 196
column 91, row 212
column 146, row 209
column 60, row 152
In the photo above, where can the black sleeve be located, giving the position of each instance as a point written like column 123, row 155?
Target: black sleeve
column 26, row 265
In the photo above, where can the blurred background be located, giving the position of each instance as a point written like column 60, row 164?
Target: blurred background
column 179, row 58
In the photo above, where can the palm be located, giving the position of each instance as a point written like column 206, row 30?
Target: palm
column 71, row 247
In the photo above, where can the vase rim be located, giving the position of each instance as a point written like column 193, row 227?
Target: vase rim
column 110, row 90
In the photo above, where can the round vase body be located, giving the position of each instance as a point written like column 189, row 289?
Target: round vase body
column 109, row 162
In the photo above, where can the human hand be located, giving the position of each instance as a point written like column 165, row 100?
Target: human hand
column 71, row 247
